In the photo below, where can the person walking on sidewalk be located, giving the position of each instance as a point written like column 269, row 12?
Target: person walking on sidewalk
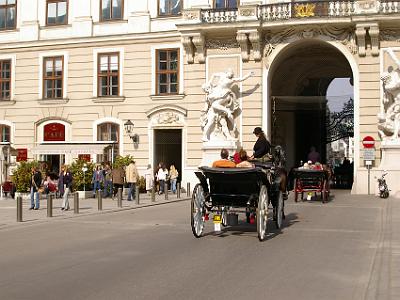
column 118, row 175
column 148, row 175
column 173, row 177
column 97, row 179
column 36, row 182
column 162, row 177
column 67, row 188
column 132, row 176
column 107, row 192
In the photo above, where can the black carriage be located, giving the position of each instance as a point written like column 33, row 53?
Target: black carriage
column 226, row 191
column 311, row 181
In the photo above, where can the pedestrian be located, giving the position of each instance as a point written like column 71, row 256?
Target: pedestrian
column 35, row 184
column 132, row 176
column 107, row 175
column 67, row 188
column 162, row 175
column 61, row 183
column 118, row 175
column 97, row 179
column 148, row 175
column 173, row 177
column 313, row 155
column 156, row 182
column 262, row 146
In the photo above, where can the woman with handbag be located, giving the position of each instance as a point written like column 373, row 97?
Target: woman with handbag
column 35, row 184
column 67, row 188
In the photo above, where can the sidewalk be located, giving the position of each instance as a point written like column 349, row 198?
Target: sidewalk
column 88, row 206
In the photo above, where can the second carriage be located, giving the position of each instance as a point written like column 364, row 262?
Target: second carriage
column 226, row 191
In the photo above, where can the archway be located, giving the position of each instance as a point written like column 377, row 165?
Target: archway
column 303, row 114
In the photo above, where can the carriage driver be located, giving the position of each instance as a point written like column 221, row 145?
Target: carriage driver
column 262, row 146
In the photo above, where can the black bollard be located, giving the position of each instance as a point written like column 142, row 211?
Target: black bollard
column 49, row 206
column 188, row 189
column 99, row 200
column 119, row 197
column 137, row 194
column 166, row 191
column 178, row 190
column 19, row 209
column 153, row 193
column 76, row 203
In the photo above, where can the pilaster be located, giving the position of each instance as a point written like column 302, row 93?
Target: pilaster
column 82, row 24
column 29, row 29
column 138, row 16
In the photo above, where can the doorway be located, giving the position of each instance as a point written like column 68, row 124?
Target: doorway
column 53, row 162
column 168, row 148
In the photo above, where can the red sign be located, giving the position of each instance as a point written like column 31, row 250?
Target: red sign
column 22, row 154
column 85, row 157
column 54, row 132
column 368, row 142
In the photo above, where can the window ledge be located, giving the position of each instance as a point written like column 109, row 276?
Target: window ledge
column 108, row 99
column 53, row 101
column 7, row 102
column 168, row 97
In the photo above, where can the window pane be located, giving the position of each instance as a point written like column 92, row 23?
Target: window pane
column 58, row 67
column 219, row 3
column 2, row 18
column 3, row 2
column 48, row 89
column 49, row 68
column 51, row 13
column 162, row 78
column 162, row 55
column 106, row 9
column 103, row 64
column 11, row 17
column 5, row 74
column 59, row 93
column 173, row 78
column 114, row 91
column 162, row 7
column 232, row 3
column 174, row 88
column 114, row 63
column 162, row 65
column 117, row 9
column 163, row 89
column 176, row 7
column 114, row 80
column 62, row 12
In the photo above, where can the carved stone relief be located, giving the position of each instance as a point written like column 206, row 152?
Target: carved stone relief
column 221, row 44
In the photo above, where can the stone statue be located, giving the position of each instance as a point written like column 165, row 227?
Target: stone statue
column 389, row 117
column 221, row 104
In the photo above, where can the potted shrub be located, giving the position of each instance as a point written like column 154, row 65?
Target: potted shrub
column 21, row 178
column 82, row 180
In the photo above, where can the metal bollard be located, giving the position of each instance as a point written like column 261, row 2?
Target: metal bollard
column 119, row 197
column 99, row 200
column 188, row 189
column 49, row 206
column 166, row 191
column 137, row 194
column 19, row 209
column 76, row 203
column 178, row 190
column 153, row 193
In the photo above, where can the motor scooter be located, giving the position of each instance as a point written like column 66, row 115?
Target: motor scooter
column 382, row 186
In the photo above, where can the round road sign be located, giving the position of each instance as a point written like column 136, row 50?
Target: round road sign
column 368, row 142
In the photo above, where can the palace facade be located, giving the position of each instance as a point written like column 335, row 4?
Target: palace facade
column 76, row 75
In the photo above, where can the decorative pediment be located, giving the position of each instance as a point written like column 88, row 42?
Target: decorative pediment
column 167, row 116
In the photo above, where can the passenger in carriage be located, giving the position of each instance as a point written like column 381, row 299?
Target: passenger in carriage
column 244, row 160
column 224, row 162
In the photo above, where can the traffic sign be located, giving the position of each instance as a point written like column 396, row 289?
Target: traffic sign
column 369, row 154
column 368, row 142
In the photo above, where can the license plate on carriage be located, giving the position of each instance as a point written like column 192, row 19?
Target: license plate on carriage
column 217, row 219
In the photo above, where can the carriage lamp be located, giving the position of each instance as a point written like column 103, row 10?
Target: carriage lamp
column 129, row 130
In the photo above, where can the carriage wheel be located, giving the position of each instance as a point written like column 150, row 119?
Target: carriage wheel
column 198, row 210
column 262, row 213
column 279, row 211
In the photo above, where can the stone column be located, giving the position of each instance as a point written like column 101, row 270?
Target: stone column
column 29, row 30
column 82, row 24
column 138, row 16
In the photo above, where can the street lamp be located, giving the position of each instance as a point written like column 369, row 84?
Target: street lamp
column 129, row 130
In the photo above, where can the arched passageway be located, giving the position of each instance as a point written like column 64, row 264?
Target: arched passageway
column 303, row 114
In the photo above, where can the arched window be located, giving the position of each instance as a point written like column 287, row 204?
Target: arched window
column 108, row 132
column 5, row 133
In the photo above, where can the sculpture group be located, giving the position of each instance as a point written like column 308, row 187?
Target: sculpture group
column 221, row 105
column 389, row 117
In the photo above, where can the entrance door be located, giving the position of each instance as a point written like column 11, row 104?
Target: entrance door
column 53, row 161
column 168, row 148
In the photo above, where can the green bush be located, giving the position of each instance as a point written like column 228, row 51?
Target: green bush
column 122, row 161
column 78, row 180
column 22, row 175
column 142, row 184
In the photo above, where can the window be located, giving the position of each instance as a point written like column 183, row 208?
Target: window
column 53, row 69
column 167, row 71
column 4, row 133
column 111, row 9
column 8, row 11
column 108, row 74
column 169, row 7
column 57, row 12
column 108, row 132
column 5, row 79
column 225, row 3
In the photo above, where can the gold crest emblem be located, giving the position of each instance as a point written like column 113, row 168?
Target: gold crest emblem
column 304, row 10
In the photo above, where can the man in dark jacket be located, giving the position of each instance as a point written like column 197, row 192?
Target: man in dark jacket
column 262, row 146
column 36, row 182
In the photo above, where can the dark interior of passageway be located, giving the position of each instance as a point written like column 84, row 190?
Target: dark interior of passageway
column 300, row 106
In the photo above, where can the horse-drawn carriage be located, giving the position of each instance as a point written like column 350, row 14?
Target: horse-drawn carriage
column 225, row 191
column 311, row 181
